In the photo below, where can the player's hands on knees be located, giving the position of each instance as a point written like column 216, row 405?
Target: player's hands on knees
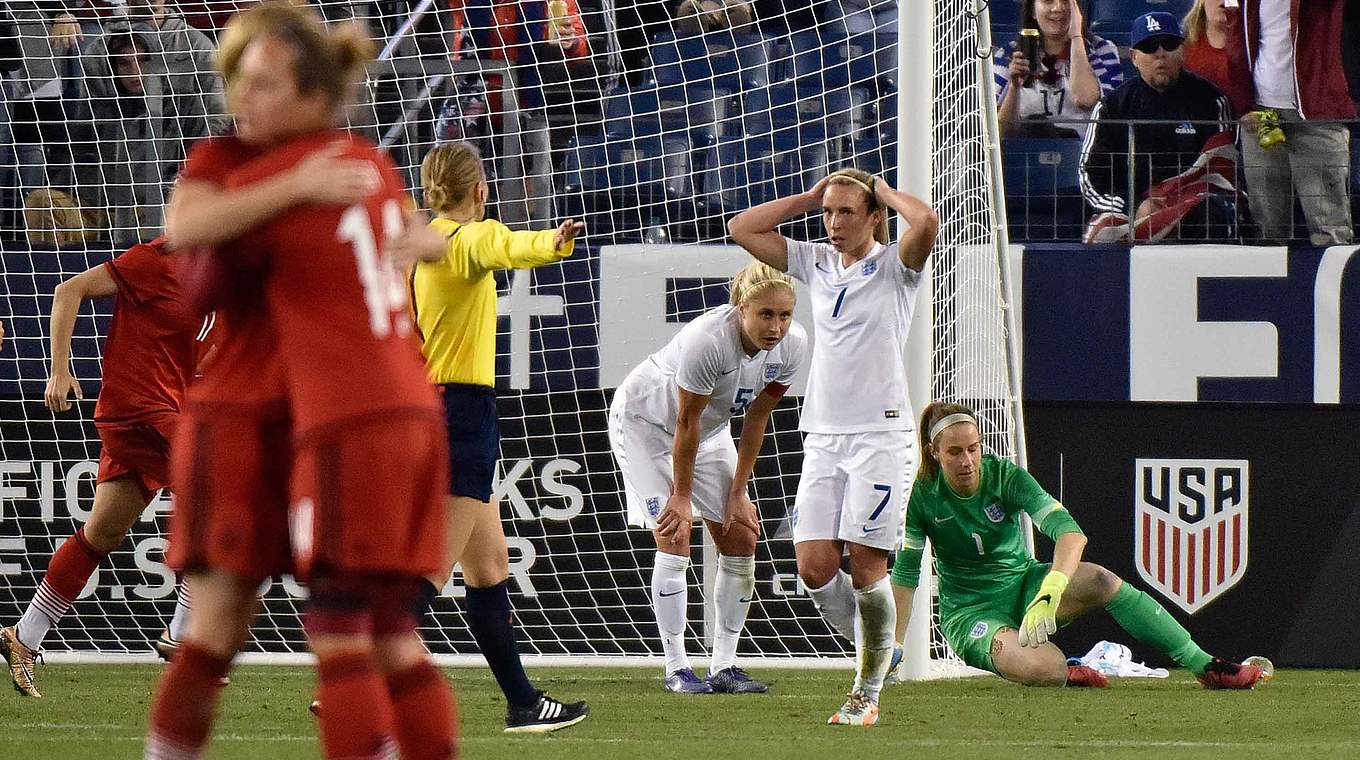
column 59, row 388
column 676, row 519
column 1041, row 616
column 418, row 242
column 740, row 511
column 567, row 232
column 326, row 176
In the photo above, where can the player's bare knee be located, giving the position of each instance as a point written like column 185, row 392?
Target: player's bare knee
column 868, row 565
column 817, row 572
column 740, row 541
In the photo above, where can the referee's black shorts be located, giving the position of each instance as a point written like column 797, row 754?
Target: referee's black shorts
column 474, row 439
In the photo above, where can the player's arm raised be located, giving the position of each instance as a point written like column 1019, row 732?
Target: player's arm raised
column 96, row 282
column 677, row 518
column 754, row 228
column 740, row 509
column 202, row 213
column 922, row 224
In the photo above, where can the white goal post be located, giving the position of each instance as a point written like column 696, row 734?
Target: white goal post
column 652, row 134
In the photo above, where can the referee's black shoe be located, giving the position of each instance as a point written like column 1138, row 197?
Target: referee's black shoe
column 544, row 715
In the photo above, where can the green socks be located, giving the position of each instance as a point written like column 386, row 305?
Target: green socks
column 1151, row 624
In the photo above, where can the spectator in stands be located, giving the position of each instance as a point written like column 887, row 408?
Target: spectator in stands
column 1206, row 40
column 47, row 72
column 696, row 16
column 53, row 217
column 1186, row 138
column 1075, row 70
column 1285, row 59
column 125, row 101
column 184, row 56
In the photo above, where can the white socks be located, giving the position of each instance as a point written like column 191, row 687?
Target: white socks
column 836, row 602
column 878, row 618
column 670, row 597
column 732, row 591
column 184, row 603
column 44, row 611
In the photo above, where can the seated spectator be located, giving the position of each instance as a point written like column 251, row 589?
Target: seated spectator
column 1285, row 59
column 697, row 16
column 52, row 217
column 1177, row 162
column 1206, row 37
column 1074, row 71
column 186, row 60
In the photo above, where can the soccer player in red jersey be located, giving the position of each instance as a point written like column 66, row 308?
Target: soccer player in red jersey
column 333, row 311
column 149, row 359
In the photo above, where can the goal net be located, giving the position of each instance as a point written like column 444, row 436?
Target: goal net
column 653, row 131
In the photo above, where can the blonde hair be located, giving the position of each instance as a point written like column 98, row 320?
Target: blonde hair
column 1195, row 21
column 327, row 58
column 449, row 174
column 756, row 278
column 864, row 181
column 933, row 413
column 53, row 217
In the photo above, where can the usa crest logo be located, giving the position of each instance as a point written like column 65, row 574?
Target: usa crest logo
column 1191, row 527
column 771, row 372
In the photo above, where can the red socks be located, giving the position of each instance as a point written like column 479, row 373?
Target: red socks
column 186, row 701
column 426, row 713
column 356, row 717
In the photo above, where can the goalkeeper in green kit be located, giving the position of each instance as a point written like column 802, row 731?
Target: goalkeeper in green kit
column 998, row 605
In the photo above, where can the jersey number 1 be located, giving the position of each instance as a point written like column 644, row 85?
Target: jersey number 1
column 384, row 290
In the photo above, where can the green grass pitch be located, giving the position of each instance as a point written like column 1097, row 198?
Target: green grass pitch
column 93, row 712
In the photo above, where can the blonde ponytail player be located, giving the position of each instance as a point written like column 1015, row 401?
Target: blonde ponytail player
column 668, row 428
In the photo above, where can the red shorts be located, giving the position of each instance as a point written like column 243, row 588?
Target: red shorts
column 140, row 450
column 369, row 499
column 231, row 506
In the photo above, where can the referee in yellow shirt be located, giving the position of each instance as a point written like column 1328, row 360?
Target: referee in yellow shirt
column 453, row 291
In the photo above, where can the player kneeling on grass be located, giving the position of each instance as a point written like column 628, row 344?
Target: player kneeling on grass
column 668, row 428
column 998, row 605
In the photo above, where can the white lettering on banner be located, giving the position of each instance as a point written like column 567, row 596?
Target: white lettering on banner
column 13, row 546
column 1169, row 348
column 787, row 584
column 519, row 570
column 520, row 305
column 1327, row 324
column 507, row 489
column 8, row 491
column 633, row 300
column 153, row 567
column 72, row 484
column 1191, row 527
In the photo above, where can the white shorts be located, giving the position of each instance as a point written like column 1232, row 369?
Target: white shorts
column 642, row 450
column 854, row 488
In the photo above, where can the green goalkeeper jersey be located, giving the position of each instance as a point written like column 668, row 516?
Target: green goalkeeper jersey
column 977, row 542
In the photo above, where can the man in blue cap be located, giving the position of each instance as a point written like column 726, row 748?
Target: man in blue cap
column 1183, row 112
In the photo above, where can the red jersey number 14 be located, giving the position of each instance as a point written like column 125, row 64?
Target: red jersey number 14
column 384, row 290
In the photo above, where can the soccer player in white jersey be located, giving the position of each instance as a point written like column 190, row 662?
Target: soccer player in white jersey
column 858, row 449
column 668, row 428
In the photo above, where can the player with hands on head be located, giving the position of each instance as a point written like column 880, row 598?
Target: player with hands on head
column 669, row 431
column 999, row 605
column 453, row 291
column 857, row 448
column 149, row 359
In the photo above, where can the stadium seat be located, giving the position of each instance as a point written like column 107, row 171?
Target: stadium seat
column 1005, row 20
column 1043, row 200
column 1112, row 19
column 741, row 173
column 751, row 52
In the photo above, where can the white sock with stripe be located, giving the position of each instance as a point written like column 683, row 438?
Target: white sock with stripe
column 45, row 610
column 670, row 599
column 732, row 591
column 184, row 604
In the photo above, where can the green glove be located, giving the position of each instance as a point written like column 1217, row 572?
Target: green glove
column 1041, row 615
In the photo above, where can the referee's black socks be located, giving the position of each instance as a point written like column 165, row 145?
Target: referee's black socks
column 489, row 618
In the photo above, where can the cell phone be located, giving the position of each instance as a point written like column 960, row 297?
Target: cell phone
column 1028, row 45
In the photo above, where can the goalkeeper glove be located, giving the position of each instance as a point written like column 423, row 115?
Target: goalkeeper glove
column 1041, row 615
